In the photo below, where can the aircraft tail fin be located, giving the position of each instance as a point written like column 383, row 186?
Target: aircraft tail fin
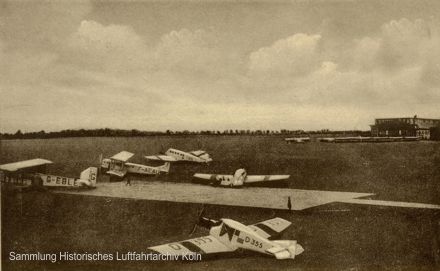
column 165, row 167
column 89, row 175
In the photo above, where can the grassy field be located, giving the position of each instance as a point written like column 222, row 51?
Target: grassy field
column 406, row 171
column 356, row 238
column 335, row 237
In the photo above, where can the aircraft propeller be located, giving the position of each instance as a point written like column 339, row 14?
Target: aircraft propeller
column 162, row 149
column 204, row 222
column 100, row 164
column 197, row 222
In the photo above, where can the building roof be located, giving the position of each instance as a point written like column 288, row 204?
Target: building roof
column 417, row 118
column 122, row 156
column 24, row 164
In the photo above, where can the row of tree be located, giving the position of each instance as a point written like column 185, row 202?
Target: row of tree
column 107, row 132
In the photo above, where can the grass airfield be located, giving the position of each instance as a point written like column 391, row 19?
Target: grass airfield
column 335, row 236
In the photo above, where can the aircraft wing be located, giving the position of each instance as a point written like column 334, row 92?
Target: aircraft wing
column 265, row 178
column 24, row 164
column 122, row 156
column 212, row 177
column 165, row 158
column 202, row 245
column 271, row 227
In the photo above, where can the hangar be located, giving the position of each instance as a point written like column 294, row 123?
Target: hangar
column 420, row 127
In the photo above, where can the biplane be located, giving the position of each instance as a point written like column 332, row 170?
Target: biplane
column 118, row 166
column 174, row 155
column 227, row 235
column 239, row 178
column 33, row 172
column 22, row 173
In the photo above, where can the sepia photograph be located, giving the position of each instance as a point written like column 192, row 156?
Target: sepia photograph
column 220, row 135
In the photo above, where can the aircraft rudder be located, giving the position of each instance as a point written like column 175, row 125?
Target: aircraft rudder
column 90, row 174
column 165, row 167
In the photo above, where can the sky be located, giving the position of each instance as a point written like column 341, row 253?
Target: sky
column 158, row 65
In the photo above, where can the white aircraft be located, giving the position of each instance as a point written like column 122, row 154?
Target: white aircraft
column 239, row 178
column 297, row 139
column 28, row 172
column 117, row 165
column 22, row 173
column 173, row 155
column 227, row 235
column 86, row 179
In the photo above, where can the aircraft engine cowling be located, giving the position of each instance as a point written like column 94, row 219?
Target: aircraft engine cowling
column 105, row 163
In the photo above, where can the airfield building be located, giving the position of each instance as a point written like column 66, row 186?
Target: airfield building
column 420, row 127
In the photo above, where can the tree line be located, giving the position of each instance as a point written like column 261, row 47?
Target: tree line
column 107, row 132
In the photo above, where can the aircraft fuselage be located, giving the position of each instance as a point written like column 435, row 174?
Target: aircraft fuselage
column 127, row 167
column 236, row 180
column 185, row 156
column 236, row 235
column 142, row 169
column 87, row 179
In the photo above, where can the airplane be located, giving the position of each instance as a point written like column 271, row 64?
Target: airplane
column 297, row 139
column 117, row 165
column 174, row 155
column 87, row 179
column 239, row 178
column 22, row 173
column 227, row 235
column 374, row 139
column 29, row 172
